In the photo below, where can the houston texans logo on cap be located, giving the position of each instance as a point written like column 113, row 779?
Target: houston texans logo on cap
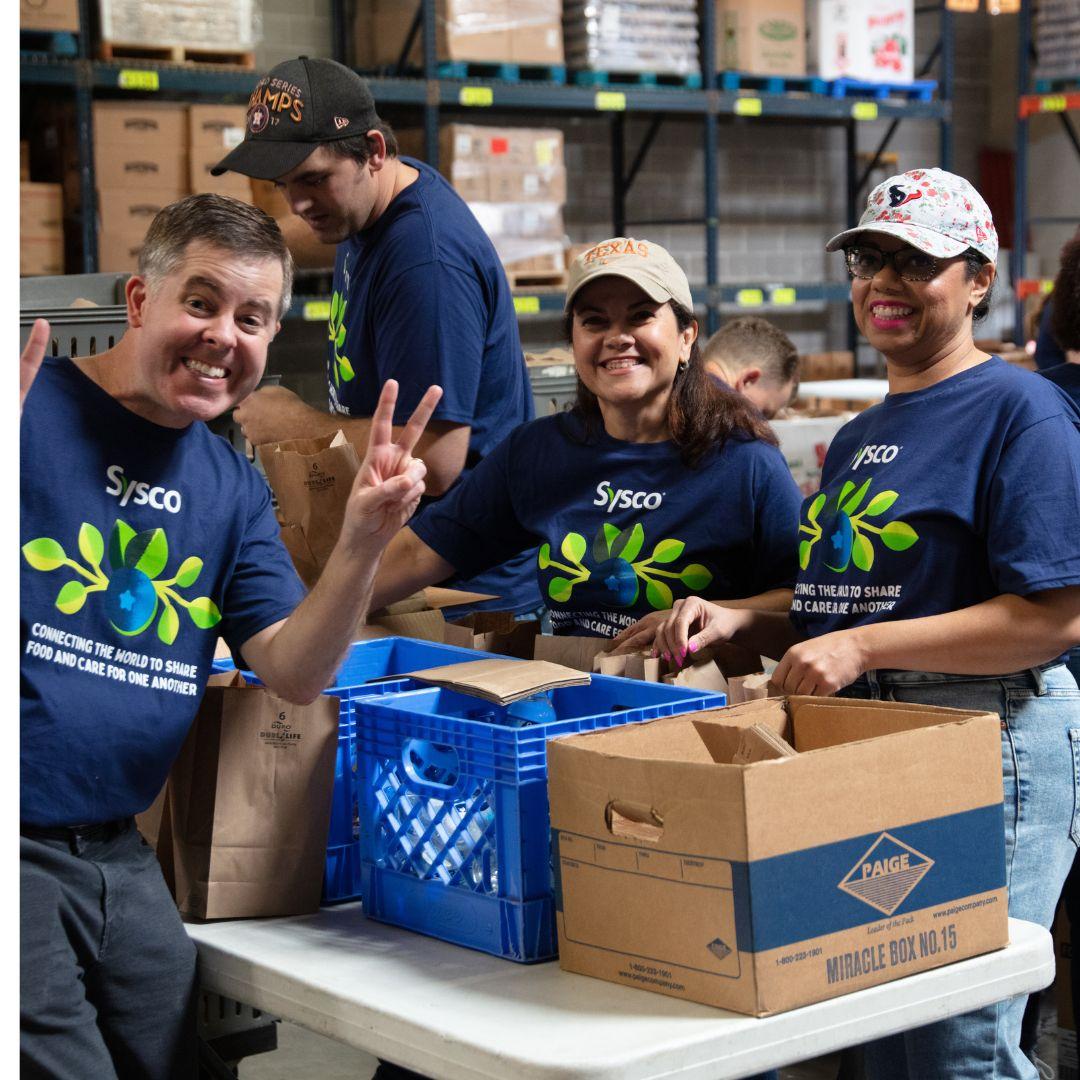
column 897, row 196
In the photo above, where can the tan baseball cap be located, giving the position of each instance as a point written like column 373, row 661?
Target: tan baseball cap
column 644, row 263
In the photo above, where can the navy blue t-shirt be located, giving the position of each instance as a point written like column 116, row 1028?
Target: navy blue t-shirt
column 140, row 545
column 942, row 498
column 624, row 528
column 421, row 297
column 1067, row 376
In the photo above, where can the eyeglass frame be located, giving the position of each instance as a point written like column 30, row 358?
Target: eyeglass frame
column 888, row 258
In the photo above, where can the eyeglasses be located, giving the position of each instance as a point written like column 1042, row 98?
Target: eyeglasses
column 864, row 261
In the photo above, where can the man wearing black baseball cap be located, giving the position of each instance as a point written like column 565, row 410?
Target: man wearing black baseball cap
column 419, row 294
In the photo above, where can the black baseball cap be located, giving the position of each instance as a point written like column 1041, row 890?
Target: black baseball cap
column 298, row 105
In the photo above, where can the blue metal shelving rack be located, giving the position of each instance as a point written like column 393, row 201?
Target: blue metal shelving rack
column 435, row 97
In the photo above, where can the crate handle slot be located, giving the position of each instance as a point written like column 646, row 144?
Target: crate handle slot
column 634, row 821
column 430, row 766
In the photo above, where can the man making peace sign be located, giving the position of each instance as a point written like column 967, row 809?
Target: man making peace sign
column 144, row 537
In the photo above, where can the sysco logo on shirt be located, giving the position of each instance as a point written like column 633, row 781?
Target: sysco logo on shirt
column 874, row 455
column 138, row 493
column 624, row 498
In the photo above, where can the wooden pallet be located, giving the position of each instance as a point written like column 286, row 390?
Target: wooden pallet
column 536, row 279
column 178, row 54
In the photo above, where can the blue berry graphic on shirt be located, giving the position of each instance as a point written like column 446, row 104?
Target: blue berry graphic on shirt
column 342, row 369
column 134, row 592
column 617, row 573
column 841, row 527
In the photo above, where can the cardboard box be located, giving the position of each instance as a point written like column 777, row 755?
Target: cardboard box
column 868, row 40
column 143, row 124
column 477, row 30
column 220, row 126
column 763, row 37
column 127, row 166
column 201, row 160
column 41, row 255
column 877, row 851
column 130, row 211
column 493, row 632
column 118, row 252
column 41, row 209
column 538, row 43
column 49, row 15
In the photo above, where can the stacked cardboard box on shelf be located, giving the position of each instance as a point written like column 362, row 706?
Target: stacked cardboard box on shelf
column 41, row 229
column 514, row 181
column 761, row 37
column 50, row 16
column 480, row 31
column 141, row 165
column 642, row 36
column 213, row 130
column 867, row 40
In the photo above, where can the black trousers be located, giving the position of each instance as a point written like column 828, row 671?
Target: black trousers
column 108, row 987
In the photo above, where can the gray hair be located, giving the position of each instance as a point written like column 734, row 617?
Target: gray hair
column 218, row 220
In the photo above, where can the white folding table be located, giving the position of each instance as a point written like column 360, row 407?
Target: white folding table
column 456, row 1014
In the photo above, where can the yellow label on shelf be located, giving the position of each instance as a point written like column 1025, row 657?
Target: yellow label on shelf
column 478, row 96
column 526, row 305
column 317, row 310
column 748, row 106
column 137, row 79
column 1046, row 286
column 749, row 298
column 610, row 101
column 864, row 110
column 782, row 296
column 1053, row 103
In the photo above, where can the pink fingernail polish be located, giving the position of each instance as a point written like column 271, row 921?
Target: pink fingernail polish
column 693, row 646
column 682, row 655
column 667, row 657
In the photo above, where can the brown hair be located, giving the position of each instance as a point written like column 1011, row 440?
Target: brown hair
column 361, row 147
column 701, row 413
column 750, row 341
column 1065, row 313
column 222, row 222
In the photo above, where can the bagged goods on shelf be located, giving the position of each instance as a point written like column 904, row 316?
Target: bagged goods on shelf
column 213, row 24
column 632, row 36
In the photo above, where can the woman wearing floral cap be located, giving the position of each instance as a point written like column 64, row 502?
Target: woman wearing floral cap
column 940, row 562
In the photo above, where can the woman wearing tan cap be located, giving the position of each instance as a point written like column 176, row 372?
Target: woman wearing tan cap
column 940, row 565
column 657, row 485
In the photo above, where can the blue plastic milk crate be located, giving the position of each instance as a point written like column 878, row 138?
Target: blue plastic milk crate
column 366, row 663
column 454, row 811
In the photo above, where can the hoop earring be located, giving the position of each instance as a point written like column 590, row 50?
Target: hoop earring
column 683, row 365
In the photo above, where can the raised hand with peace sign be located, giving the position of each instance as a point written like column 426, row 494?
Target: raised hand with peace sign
column 388, row 487
column 31, row 358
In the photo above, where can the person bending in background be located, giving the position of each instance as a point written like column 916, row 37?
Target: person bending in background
column 419, row 294
column 659, row 483
column 758, row 360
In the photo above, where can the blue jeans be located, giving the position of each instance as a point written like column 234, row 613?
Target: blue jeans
column 107, row 969
column 1040, row 757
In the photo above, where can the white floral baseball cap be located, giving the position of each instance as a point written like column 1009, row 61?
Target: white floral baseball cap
column 935, row 211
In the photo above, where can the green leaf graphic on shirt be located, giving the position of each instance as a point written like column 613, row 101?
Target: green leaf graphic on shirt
column 658, row 595
column 848, row 536
column 44, row 554
column 898, row 535
column 543, row 556
column 632, row 545
column 696, row 576
column 91, row 545
column 342, row 368
column 668, row 551
column 71, row 597
column 573, row 547
column 605, row 536
column 862, row 552
column 134, row 590
column 119, row 539
column 559, row 589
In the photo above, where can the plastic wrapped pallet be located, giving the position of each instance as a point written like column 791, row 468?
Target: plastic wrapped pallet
column 1057, row 39
column 479, row 31
column 212, row 24
column 637, row 36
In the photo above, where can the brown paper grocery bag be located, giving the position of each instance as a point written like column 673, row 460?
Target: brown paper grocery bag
column 249, row 800
column 312, row 479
